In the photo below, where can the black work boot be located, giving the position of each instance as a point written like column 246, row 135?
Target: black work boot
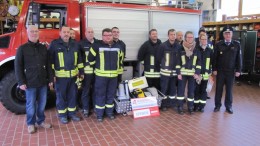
column 190, row 110
column 180, row 110
column 85, row 113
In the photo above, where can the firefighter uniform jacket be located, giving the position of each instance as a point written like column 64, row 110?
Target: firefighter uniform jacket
column 65, row 58
column 188, row 66
column 32, row 66
column 122, row 55
column 227, row 57
column 168, row 55
column 147, row 53
column 85, row 46
column 206, row 61
column 105, row 58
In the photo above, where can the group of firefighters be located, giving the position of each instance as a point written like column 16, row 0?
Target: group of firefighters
column 99, row 65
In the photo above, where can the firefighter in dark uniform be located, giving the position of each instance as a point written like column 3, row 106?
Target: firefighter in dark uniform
column 227, row 63
column 167, row 57
column 88, row 81
column 179, row 37
column 147, row 54
column 105, row 56
column 67, row 64
column 115, row 33
column 201, row 84
column 188, row 70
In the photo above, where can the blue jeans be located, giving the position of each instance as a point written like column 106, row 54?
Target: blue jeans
column 35, row 104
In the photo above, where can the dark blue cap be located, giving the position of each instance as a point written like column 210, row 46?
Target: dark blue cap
column 227, row 29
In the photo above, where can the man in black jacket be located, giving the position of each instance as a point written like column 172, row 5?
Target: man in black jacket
column 89, row 76
column 105, row 56
column 227, row 63
column 115, row 33
column 147, row 55
column 67, row 64
column 33, row 72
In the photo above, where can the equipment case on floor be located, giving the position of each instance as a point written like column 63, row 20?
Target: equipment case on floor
column 125, row 94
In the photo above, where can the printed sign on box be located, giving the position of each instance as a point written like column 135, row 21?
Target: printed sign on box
column 145, row 107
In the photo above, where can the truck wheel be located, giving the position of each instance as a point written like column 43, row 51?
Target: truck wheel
column 12, row 97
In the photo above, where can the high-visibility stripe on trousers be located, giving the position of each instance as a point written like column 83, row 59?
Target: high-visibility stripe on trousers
column 181, row 90
column 66, row 96
column 105, row 92
column 86, row 92
column 200, row 94
column 168, row 88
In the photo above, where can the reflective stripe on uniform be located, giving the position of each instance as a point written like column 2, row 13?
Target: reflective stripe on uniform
column 75, row 58
column 151, row 60
column 109, row 49
column 88, row 69
column 109, row 105
column 189, row 72
column 92, row 62
column 80, row 65
column 93, row 52
column 194, row 60
column 61, row 59
column 52, row 66
column 118, row 62
column 183, row 60
column 86, row 54
column 190, row 99
column 205, row 76
column 102, row 60
column 168, row 72
column 66, row 74
column 198, row 67
column 207, row 63
column 167, row 59
column 202, row 101
column 172, row 97
column 72, row 109
column 107, row 73
column 100, row 107
column 196, row 101
column 180, row 98
column 62, row 111
column 152, row 74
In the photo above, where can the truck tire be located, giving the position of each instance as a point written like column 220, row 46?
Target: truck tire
column 12, row 97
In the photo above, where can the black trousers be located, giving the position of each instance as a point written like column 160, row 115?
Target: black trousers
column 154, row 82
column 168, row 88
column 227, row 79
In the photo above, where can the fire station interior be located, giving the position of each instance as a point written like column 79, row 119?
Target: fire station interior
column 130, row 128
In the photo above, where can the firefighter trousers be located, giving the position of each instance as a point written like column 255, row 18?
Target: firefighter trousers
column 105, row 92
column 181, row 91
column 66, row 96
column 154, row 82
column 200, row 94
column 227, row 79
column 88, row 82
column 168, row 88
